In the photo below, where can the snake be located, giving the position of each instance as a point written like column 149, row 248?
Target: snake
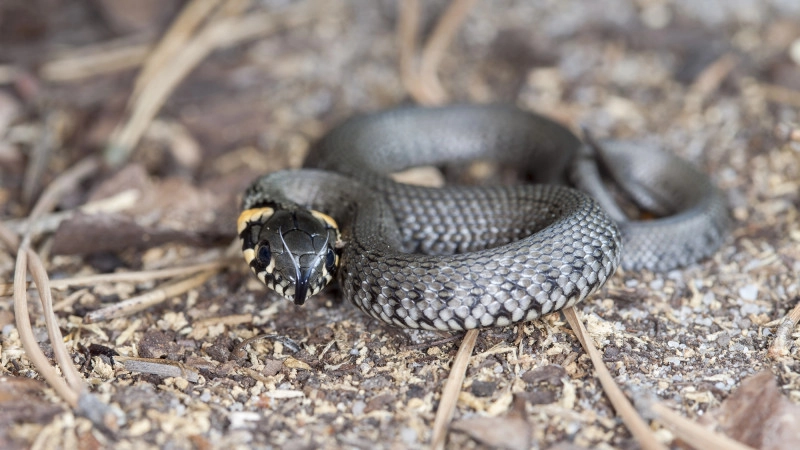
column 460, row 257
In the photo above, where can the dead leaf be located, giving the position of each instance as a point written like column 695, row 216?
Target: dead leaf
column 293, row 363
column 379, row 402
column 86, row 234
column 271, row 367
column 173, row 210
column 757, row 414
column 132, row 176
column 22, row 401
column 508, row 432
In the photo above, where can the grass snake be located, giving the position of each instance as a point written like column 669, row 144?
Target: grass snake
column 462, row 257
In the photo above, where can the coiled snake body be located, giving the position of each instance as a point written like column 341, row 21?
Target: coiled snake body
column 462, row 257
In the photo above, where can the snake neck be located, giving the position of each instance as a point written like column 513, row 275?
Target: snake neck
column 361, row 213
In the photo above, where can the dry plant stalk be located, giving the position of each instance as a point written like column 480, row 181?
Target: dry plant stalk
column 39, row 274
column 709, row 81
column 32, row 349
column 425, row 88
column 449, row 398
column 71, row 389
column 423, row 83
column 780, row 94
column 181, row 29
column 692, row 433
column 160, row 367
column 407, row 29
column 130, row 277
column 440, row 39
column 637, row 426
column 50, row 222
column 783, row 335
column 219, row 33
column 685, row 429
column 93, row 61
column 148, row 299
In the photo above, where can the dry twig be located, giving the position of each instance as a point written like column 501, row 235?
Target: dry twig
column 425, row 88
column 709, row 80
column 160, row 367
column 692, row 433
column 39, row 274
column 49, row 222
column 440, row 39
column 780, row 345
column 130, row 277
column 449, row 398
column 424, row 85
column 181, row 30
column 32, row 350
column 220, row 33
column 407, row 30
column 97, row 60
column 148, row 299
column 637, row 426
column 779, row 94
column 69, row 391
column 685, row 429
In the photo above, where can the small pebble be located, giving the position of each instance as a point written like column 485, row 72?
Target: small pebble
column 794, row 51
column 749, row 292
column 750, row 308
column 241, row 419
column 408, row 435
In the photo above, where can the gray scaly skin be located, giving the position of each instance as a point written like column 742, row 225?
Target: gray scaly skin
column 461, row 257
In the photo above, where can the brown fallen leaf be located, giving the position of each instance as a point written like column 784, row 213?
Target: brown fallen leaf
column 86, row 234
column 508, row 432
column 271, row 367
column 22, row 400
column 159, row 344
column 757, row 414
column 172, row 210
column 130, row 177
column 380, row 402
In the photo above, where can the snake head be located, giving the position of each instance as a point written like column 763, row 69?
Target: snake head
column 293, row 252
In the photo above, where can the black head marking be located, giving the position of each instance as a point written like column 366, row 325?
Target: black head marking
column 291, row 251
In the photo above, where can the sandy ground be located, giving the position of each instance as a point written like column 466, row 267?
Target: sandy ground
column 716, row 82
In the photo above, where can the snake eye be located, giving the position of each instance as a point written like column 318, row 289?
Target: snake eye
column 330, row 260
column 264, row 254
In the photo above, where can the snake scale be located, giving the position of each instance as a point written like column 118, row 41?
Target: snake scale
column 463, row 257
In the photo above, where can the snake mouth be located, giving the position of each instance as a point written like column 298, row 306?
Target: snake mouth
column 301, row 287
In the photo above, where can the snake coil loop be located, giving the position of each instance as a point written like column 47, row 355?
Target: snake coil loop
column 463, row 257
